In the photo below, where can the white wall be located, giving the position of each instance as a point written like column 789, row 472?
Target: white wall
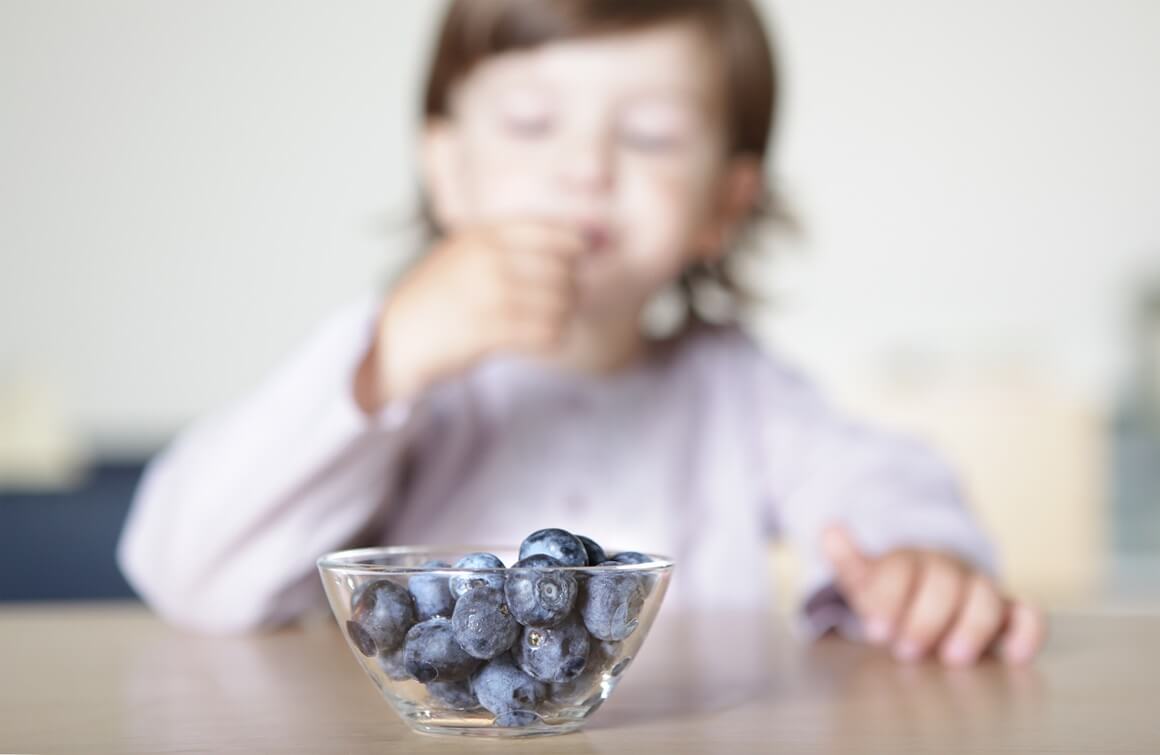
column 980, row 181
column 185, row 187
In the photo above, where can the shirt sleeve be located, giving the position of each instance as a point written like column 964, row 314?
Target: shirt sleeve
column 229, row 520
column 888, row 490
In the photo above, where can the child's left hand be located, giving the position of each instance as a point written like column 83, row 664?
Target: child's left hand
column 920, row 602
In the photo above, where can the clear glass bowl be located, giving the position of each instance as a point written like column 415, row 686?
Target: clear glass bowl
column 557, row 709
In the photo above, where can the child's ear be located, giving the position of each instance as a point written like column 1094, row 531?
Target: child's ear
column 738, row 194
column 440, row 152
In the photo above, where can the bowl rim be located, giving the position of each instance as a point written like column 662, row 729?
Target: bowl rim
column 347, row 561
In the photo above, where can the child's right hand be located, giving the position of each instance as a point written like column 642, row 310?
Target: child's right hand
column 506, row 287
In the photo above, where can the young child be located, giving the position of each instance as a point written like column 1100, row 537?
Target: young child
column 579, row 158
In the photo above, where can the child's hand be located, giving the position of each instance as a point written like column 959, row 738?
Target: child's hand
column 923, row 601
column 496, row 288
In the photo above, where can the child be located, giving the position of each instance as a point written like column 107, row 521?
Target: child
column 579, row 158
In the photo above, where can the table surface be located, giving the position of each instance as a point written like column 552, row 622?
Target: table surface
column 112, row 678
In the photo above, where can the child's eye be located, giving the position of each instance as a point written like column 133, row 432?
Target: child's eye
column 525, row 114
column 653, row 128
column 649, row 141
column 528, row 128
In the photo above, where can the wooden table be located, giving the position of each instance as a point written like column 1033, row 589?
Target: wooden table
column 112, row 678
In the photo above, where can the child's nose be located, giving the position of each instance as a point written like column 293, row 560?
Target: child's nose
column 586, row 165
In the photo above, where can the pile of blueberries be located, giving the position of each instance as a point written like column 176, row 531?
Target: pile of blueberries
column 507, row 641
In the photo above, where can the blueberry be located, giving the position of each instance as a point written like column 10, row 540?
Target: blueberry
column 381, row 613
column 611, row 603
column 586, row 688
column 392, row 665
column 559, row 544
column 507, row 692
column 593, row 549
column 557, row 654
column 431, row 594
column 482, row 623
column 455, row 695
column 631, row 557
column 431, row 653
column 537, row 594
column 460, row 584
column 515, row 719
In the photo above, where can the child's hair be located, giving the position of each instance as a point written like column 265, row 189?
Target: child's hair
column 475, row 30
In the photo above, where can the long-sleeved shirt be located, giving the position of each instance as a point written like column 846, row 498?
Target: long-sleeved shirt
column 703, row 452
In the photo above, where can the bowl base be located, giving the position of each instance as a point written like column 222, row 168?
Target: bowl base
column 480, row 729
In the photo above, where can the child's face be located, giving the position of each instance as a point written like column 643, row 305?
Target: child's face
column 620, row 137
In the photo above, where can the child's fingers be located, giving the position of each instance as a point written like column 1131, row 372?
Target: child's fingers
column 542, row 238
column 1025, row 634
column 887, row 595
column 931, row 610
column 527, row 269
column 535, row 320
column 851, row 567
column 537, row 305
column 539, row 301
column 534, row 336
column 978, row 623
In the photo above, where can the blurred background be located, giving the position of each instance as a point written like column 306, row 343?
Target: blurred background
column 187, row 188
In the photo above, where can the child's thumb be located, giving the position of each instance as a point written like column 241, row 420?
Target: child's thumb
column 850, row 565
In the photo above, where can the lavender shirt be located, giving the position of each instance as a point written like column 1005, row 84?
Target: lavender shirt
column 704, row 453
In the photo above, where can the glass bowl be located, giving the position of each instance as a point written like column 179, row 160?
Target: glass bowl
column 617, row 602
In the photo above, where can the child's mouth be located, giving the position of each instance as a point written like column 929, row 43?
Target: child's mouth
column 596, row 237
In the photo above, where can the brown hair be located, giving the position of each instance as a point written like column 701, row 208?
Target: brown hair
column 475, row 30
